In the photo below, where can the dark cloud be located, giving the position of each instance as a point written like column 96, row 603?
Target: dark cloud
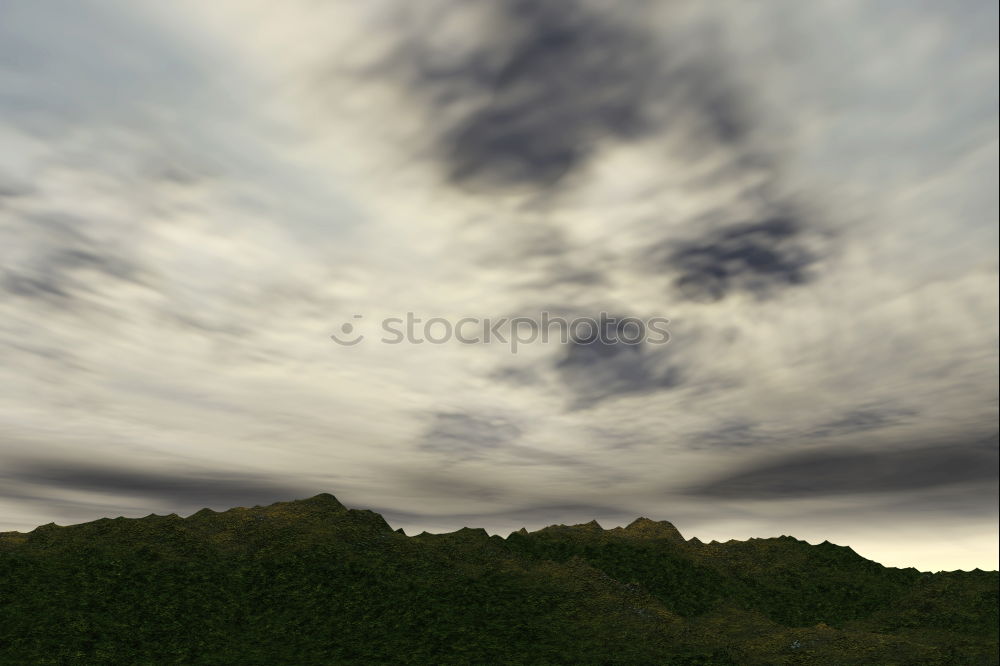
column 552, row 80
column 13, row 189
column 732, row 434
column 461, row 435
column 517, row 375
column 757, row 258
column 63, row 262
column 563, row 78
column 32, row 286
column 175, row 489
column 849, row 471
column 963, row 501
column 863, row 419
column 612, row 359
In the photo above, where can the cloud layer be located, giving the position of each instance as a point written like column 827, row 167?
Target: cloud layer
column 194, row 197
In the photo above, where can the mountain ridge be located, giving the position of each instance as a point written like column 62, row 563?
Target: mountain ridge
column 639, row 527
column 313, row 581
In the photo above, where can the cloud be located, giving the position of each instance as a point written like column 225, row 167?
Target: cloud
column 544, row 86
column 739, row 434
column 863, row 419
column 59, row 263
column 845, row 471
column 50, row 481
column 758, row 258
column 546, row 258
column 611, row 359
column 550, row 81
column 460, row 435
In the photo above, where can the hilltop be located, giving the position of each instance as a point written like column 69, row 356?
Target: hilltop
column 313, row 582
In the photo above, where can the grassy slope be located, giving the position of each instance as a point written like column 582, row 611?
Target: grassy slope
column 310, row 582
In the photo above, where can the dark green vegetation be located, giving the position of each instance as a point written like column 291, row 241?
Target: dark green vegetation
column 311, row 582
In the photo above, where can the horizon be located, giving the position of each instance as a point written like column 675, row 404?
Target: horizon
column 487, row 264
column 412, row 532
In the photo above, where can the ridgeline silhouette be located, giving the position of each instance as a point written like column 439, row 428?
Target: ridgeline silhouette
column 313, row 582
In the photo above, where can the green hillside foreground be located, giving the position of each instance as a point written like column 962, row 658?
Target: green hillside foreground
column 312, row 582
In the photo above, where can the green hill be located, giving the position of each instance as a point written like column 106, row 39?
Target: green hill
column 312, row 582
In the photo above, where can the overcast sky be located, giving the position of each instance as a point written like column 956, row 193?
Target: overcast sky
column 194, row 196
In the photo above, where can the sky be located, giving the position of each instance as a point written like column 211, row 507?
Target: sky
column 194, row 197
